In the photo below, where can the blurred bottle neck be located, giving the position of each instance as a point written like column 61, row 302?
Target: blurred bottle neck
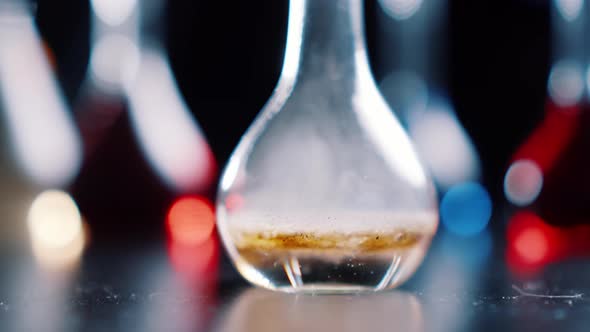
column 152, row 27
column 142, row 23
column 567, row 30
column 325, row 37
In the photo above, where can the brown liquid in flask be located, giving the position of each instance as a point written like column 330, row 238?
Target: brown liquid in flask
column 324, row 192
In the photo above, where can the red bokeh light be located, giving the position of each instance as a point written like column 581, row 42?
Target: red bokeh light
column 193, row 246
column 532, row 243
column 547, row 142
column 190, row 221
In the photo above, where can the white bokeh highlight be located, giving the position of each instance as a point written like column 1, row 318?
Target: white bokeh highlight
column 523, row 182
column 54, row 220
column 170, row 138
column 113, row 12
column 566, row 83
column 401, row 9
column 569, row 9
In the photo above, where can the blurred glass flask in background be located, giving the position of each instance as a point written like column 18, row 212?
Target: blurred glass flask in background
column 412, row 50
column 547, row 179
column 549, row 169
column 129, row 70
column 41, row 133
column 325, row 193
column 42, row 148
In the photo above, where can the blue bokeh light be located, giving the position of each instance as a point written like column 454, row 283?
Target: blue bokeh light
column 466, row 209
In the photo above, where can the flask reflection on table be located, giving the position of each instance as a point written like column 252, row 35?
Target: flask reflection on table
column 264, row 311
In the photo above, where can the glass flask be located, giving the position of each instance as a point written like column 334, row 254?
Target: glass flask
column 547, row 180
column 141, row 139
column 130, row 79
column 324, row 192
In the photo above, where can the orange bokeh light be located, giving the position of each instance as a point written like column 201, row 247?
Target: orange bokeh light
column 190, row 220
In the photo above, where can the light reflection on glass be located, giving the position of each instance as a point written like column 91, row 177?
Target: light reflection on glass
column 264, row 311
column 169, row 136
column 42, row 133
column 441, row 141
column 385, row 132
column 56, row 229
column 234, row 202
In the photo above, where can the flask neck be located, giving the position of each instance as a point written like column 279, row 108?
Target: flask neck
column 325, row 37
column 141, row 23
column 151, row 24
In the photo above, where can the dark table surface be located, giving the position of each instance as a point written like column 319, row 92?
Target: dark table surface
column 463, row 285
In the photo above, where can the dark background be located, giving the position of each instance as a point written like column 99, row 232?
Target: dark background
column 227, row 57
